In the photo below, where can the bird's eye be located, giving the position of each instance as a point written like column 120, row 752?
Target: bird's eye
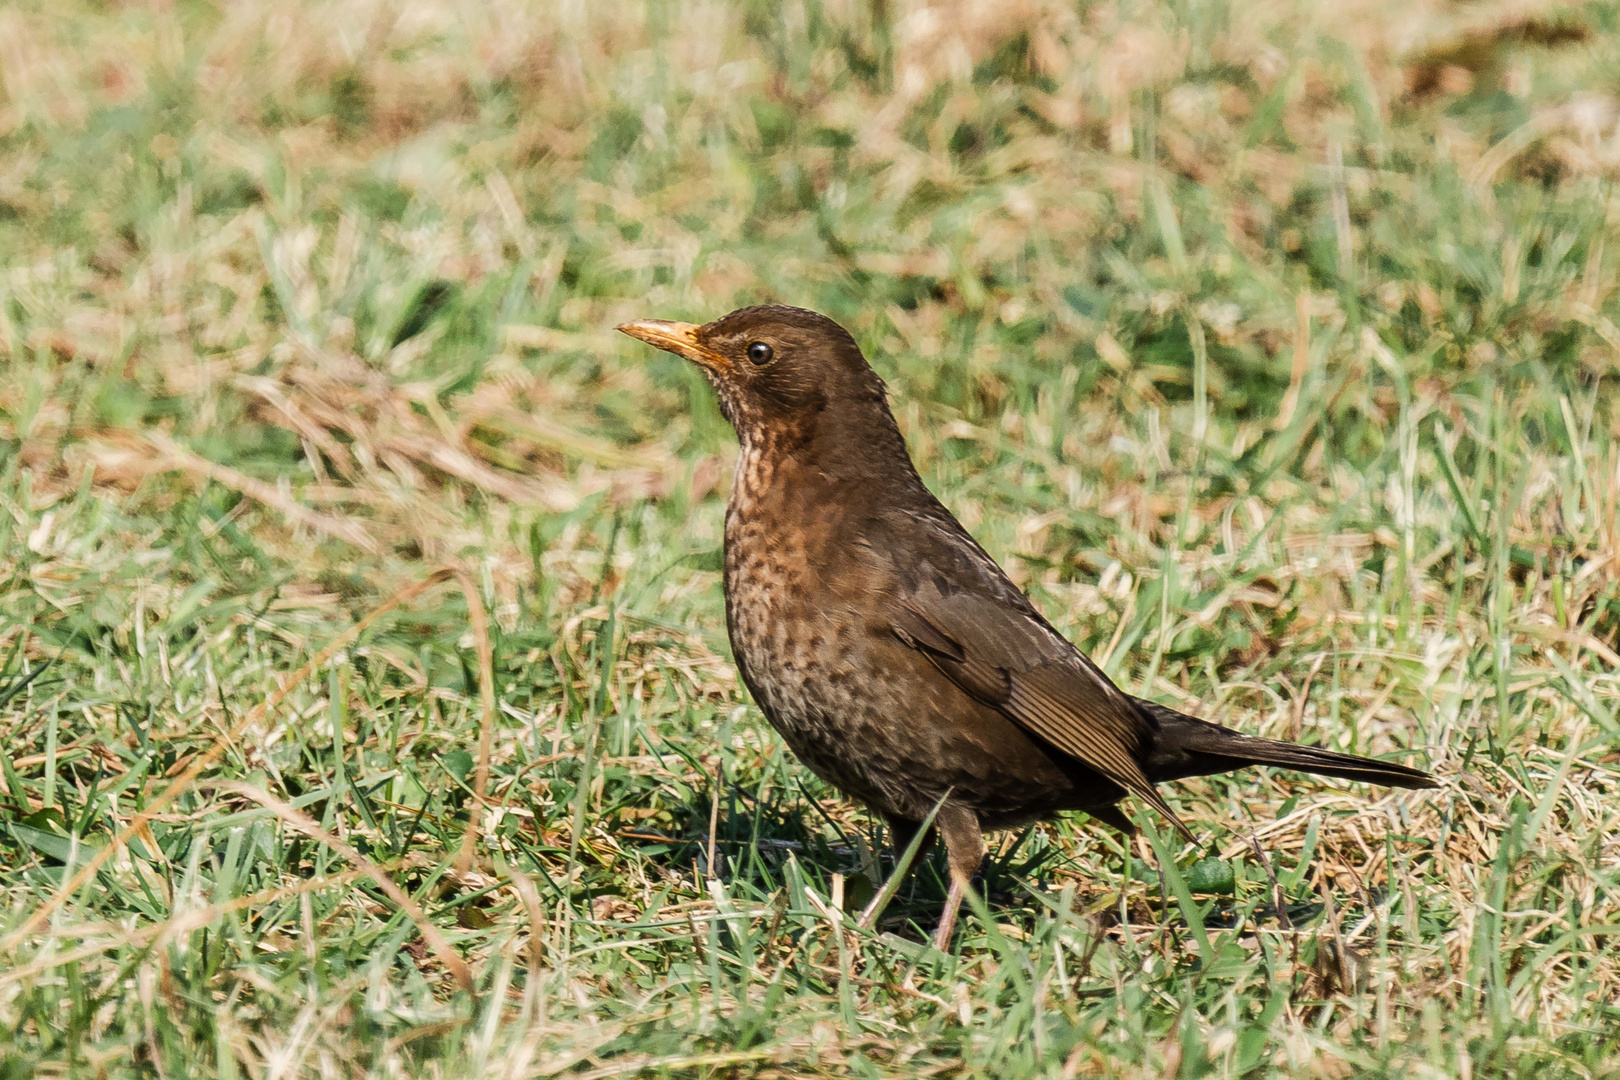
column 760, row 353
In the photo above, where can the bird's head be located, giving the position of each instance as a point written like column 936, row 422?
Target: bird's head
column 778, row 370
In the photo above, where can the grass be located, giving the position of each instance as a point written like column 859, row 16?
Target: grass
column 366, row 702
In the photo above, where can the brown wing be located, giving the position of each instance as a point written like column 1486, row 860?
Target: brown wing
column 1004, row 655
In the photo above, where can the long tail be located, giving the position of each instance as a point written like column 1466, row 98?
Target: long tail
column 1186, row 746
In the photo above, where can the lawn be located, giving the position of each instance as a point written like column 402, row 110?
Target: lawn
column 365, row 694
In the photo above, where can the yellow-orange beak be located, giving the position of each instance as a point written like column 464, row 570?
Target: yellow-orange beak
column 677, row 337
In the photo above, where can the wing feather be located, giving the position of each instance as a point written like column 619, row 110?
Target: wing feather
column 1001, row 653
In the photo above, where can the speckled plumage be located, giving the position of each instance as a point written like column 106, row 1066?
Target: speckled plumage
column 895, row 657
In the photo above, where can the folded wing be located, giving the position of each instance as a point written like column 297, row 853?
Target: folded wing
column 1005, row 656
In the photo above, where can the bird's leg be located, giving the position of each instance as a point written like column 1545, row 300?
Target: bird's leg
column 964, row 851
column 902, row 833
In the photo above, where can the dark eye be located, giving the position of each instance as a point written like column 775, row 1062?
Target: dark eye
column 760, row 353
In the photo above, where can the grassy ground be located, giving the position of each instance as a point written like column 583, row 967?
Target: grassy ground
column 361, row 637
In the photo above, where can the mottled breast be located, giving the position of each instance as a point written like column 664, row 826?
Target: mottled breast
column 801, row 651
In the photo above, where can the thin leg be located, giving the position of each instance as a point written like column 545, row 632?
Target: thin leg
column 901, row 833
column 964, row 851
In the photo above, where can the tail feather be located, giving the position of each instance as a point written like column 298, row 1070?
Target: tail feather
column 1185, row 746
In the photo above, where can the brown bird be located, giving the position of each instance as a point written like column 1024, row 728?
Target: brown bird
column 895, row 657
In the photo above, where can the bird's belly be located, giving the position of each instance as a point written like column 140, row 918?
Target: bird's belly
column 874, row 719
column 805, row 677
